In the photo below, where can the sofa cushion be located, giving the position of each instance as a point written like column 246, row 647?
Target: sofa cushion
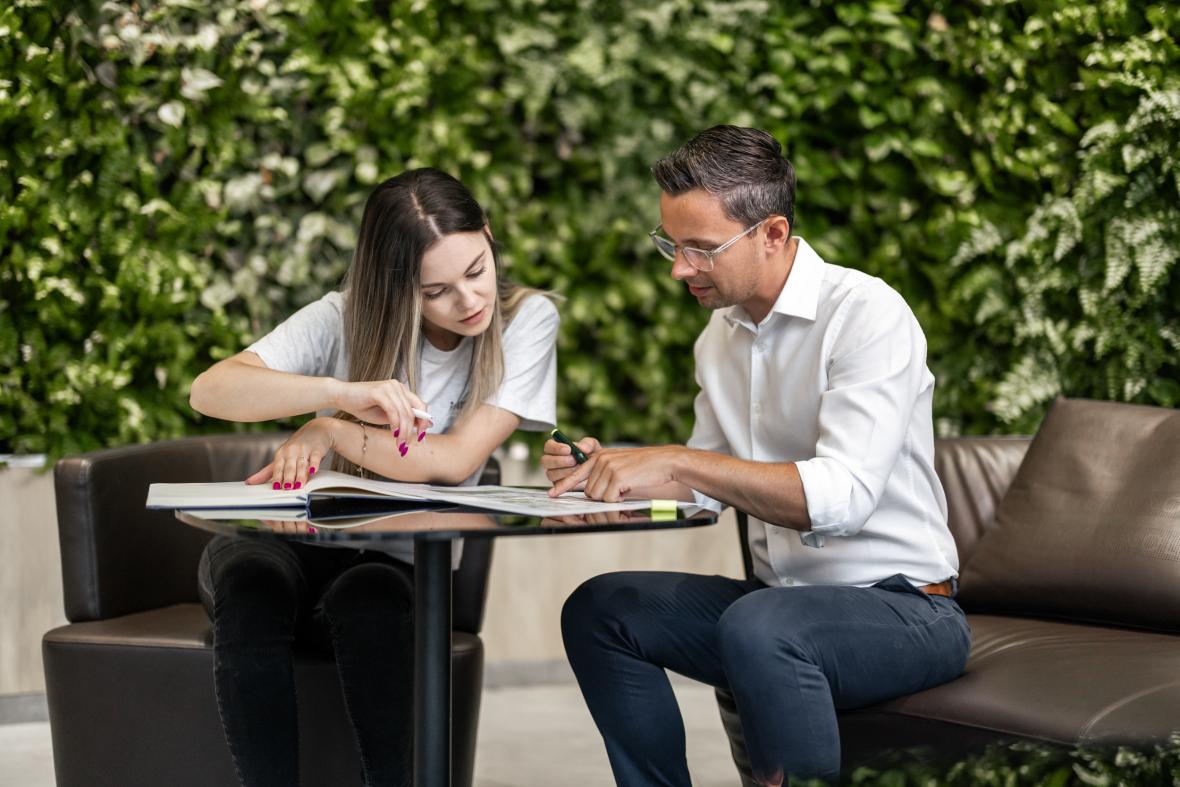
column 1090, row 527
column 1062, row 682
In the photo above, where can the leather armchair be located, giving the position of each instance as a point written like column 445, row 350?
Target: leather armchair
column 129, row 681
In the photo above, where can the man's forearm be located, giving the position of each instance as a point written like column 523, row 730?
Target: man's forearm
column 770, row 491
column 670, row 491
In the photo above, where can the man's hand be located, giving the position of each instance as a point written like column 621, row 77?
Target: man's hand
column 613, row 472
column 558, row 459
column 598, row 518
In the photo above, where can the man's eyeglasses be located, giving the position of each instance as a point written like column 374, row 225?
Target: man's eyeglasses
column 700, row 259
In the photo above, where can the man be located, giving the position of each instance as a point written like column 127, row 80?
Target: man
column 814, row 417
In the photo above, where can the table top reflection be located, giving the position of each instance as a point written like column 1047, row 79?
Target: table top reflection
column 435, row 522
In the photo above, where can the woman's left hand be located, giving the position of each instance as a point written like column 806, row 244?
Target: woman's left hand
column 299, row 458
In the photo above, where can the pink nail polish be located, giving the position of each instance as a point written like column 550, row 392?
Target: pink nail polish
column 421, row 436
column 276, row 485
column 396, row 432
column 403, row 449
column 310, row 529
column 298, row 484
column 286, row 486
column 311, row 471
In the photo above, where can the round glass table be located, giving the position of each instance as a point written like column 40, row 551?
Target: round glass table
column 432, row 531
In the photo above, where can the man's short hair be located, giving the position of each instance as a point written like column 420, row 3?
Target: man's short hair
column 744, row 167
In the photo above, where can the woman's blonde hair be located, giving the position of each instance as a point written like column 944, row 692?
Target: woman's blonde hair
column 404, row 217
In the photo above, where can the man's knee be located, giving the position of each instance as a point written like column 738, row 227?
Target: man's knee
column 588, row 602
column 597, row 603
column 758, row 630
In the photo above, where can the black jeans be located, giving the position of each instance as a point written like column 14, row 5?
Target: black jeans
column 262, row 596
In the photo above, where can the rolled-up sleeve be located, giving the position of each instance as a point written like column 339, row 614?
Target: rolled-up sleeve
column 875, row 373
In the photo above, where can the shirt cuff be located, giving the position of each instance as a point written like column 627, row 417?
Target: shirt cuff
column 704, row 501
column 828, row 490
column 812, row 539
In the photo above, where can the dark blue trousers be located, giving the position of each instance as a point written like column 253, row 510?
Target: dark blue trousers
column 791, row 656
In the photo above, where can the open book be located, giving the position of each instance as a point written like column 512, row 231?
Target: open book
column 328, row 485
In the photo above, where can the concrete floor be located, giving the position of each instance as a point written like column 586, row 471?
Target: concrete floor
column 528, row 736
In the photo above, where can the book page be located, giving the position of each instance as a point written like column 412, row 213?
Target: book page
column 330, row 482
column 529, row 502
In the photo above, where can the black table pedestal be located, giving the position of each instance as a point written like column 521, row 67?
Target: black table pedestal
column 432, row 662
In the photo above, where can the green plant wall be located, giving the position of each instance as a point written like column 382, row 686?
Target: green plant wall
column 175, row 177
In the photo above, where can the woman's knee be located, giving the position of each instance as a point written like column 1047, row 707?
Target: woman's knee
column 370, row 590
column 255, row 599
column 252, row 583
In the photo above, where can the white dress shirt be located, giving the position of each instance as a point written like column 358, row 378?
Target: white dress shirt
column 833, row 379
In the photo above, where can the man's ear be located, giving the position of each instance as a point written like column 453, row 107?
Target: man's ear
column 778, row 232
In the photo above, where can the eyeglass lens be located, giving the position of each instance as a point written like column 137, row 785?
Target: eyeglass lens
column 696, row 257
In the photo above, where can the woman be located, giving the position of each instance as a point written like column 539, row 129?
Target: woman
column 423, row 322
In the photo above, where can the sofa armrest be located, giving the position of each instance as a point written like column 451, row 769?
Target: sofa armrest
column 117, row 556
column 975, row 474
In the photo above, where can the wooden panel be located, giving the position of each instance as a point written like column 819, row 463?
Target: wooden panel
column 30, row 576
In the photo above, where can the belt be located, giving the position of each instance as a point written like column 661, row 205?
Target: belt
column 938, row 589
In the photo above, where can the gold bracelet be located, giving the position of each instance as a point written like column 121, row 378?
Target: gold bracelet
column 364, row 447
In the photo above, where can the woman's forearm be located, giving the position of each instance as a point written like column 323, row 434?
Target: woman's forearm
column 448, row 458
column 235, row 390
column 438, row 459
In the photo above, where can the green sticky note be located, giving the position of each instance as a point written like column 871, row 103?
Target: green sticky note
column 663, row 510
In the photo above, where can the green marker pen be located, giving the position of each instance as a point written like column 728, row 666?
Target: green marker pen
column 579, row 455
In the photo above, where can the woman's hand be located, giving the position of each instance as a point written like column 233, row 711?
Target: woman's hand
column 383, row 402
column 299, row 458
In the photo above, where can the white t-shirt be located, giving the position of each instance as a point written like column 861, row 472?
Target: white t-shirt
column 311, row 342
column 833, row 379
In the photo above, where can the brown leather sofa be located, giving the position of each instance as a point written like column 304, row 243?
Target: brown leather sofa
column 130, row 680
column 1070, row 577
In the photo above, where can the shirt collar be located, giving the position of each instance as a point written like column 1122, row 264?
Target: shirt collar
column 799, row 296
